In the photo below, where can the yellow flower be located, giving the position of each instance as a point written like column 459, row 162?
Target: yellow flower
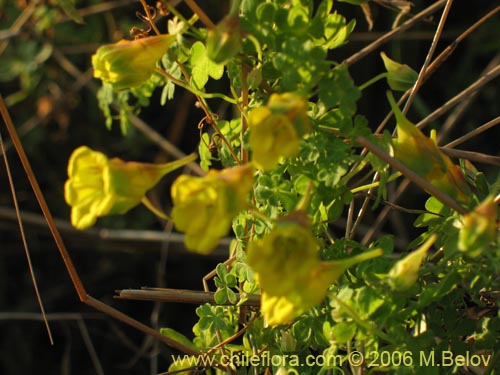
column 276, row 129
column 98, row 186
column 204, row 207
column 404, row 273
column 422, row 155
column 292, row 277
column 129, row 63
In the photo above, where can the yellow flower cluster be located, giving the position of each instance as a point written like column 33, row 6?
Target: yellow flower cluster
column 292, row 277
column 129, row 63
column 204, row 207
column 277, row 128
column 98, row 186
column 422, row 155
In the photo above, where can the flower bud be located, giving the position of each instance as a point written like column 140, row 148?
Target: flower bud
column 421, row 154
column 479, row 228
column 204, row 207
column 129, row 63
column 276, row 129
column 400, row 77
column 404, row 273
column 224, row 41
column 98, row 186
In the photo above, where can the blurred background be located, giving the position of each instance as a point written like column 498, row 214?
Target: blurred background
column 46, row 81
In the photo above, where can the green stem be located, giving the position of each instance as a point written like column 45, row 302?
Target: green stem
column 259, row 215
column 149, row 205
column 370, row 327
column 188, row 23
column 374, row 184
column 306, row 199
column 201, row 14
column 372, row 81
column 195, row 91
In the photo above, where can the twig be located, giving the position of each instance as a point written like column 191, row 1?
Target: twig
column 63, row 316
column 6, row 119
column 98, row 8
column 474, row 132
column 90, row 347
column 415, row 178
column 483, row 80
column 391, row 34
column 201, row 14
column 177, row 296
column 17, row 25
column 443, row 56
column 459, row 111
column 119, row 235
column 429, row 56
column 470, row 155
column 149, row 17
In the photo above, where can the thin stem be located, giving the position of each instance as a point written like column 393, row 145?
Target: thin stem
column 70, row 267
column 90, row 347
column 473, row 133
column 370, row 327
column 77, row 283
column 199, row 95
column 374, row 184
column 203, row 16
column 155, row 210
column 149, row 17
column 429, row 56
column 372, row 81
column 472, row 156
column 193, row 30
column 243, row 119
column 25, row 243
column 195, row 297
column 388, row 36
column 194, row 90
column 483, row 80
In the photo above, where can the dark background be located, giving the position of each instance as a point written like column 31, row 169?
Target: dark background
column 54, row 114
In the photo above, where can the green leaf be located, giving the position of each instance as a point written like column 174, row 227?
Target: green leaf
column 220, row 296
column 339, row 90
column 186, row 364
column 204, row 152
column 343, row 332
column 202, row 66
column 337, row 31
column 179, row 337
column 68, row 6
column 105, row 97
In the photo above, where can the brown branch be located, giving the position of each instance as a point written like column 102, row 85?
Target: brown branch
column 470, row 155
column 483, row 80
column 474, row 132
column 178, row 296
column 411, row 175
